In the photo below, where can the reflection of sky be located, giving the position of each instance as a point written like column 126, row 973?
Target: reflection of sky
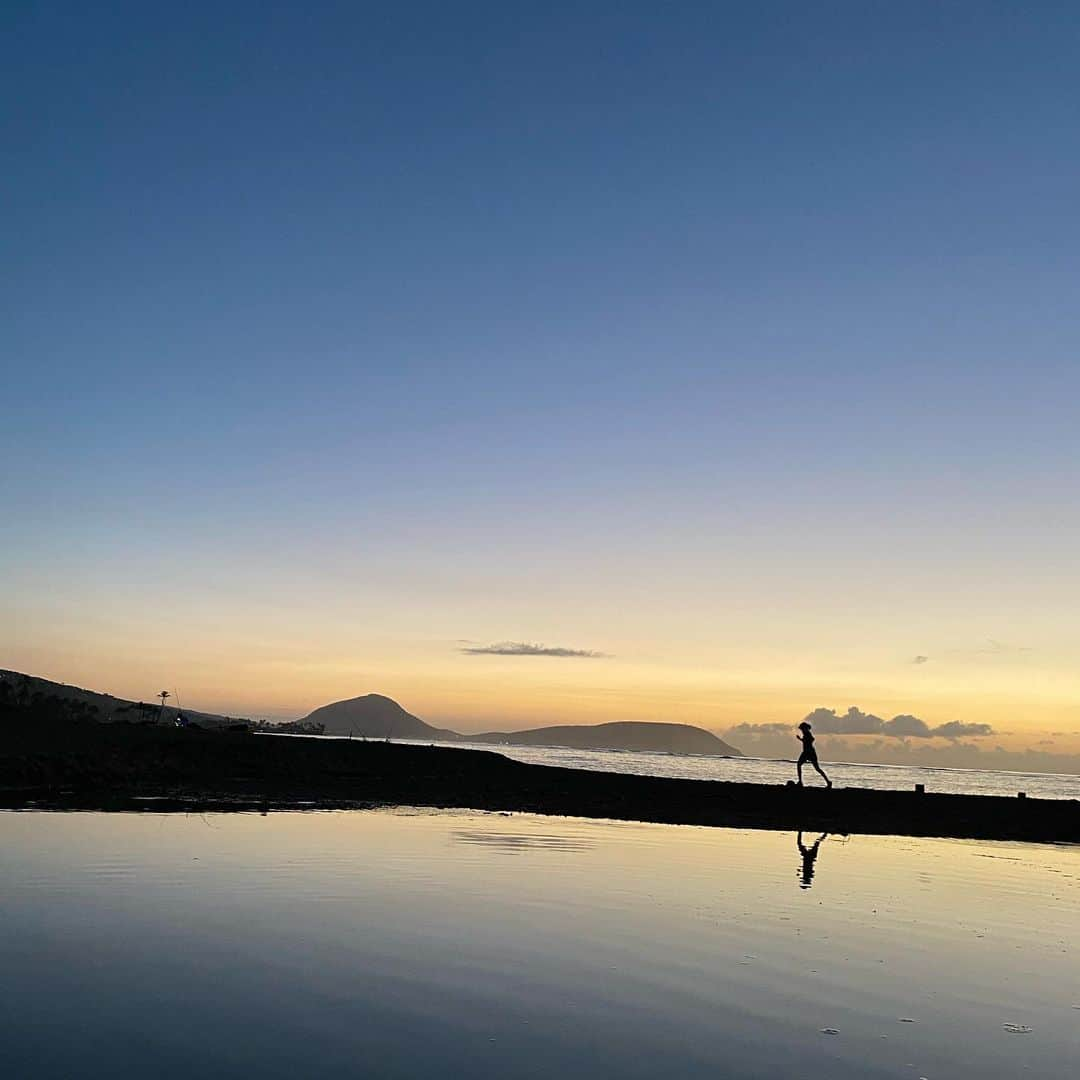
column 739, row 347
column 514, row 946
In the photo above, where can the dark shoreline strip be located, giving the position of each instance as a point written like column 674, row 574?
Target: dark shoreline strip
column 121, row 767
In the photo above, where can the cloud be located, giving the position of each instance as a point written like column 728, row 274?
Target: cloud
column 989, row 647
column 903, row 726
column 525, row 648
column 906, row 726
column 857, row 722
column 759, row 740
column 761, row 729
column 1001, row 648
column 853, row 722
column 956, row 729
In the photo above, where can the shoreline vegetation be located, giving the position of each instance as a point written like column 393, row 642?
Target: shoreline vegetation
column 50, row 759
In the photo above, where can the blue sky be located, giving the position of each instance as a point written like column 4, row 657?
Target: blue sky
column 593, row 298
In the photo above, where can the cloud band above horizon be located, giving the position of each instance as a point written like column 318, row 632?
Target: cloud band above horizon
column 524, row 648
column 857, row 722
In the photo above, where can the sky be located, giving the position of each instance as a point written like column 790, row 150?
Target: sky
column 732, row 345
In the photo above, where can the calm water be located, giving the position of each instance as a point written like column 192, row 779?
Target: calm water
column 768, row 771
column 409, row 944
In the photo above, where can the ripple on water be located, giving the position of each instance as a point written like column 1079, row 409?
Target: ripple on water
column 521, row 841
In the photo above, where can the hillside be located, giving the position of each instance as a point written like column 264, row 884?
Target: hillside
column 372, row 716
column 30, row 690
column 662, row 738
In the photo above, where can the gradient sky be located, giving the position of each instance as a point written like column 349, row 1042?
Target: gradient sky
column 738, row 343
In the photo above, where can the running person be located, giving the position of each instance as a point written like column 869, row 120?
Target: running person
column 809, row 754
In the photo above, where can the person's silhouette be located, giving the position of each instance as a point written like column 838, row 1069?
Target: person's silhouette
column 809, row 857
column 809, row 754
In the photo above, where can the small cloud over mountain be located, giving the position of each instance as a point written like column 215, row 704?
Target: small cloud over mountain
column 525, row 648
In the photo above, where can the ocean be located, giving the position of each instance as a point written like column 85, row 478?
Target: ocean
column 767, row 771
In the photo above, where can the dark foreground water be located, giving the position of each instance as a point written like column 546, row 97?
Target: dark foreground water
column 409, row 944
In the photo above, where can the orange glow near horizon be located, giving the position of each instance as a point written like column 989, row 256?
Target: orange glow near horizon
column 470, row 693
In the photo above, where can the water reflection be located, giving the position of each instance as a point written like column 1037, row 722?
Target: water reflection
column 809, row 858
column 409, row 944
column 514, row 842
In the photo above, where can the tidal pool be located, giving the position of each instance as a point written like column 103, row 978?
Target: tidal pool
column 418, row 944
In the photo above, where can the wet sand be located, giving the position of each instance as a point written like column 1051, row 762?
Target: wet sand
column 113, row 766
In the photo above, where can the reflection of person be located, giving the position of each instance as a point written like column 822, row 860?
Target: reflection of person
column 809, row 856
column 809, row 754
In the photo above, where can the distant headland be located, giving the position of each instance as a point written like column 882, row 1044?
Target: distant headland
column 374, row 716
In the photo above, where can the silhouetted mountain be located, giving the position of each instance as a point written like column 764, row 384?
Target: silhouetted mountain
column 665, row 738
column 376, row 717
column 373, row 717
